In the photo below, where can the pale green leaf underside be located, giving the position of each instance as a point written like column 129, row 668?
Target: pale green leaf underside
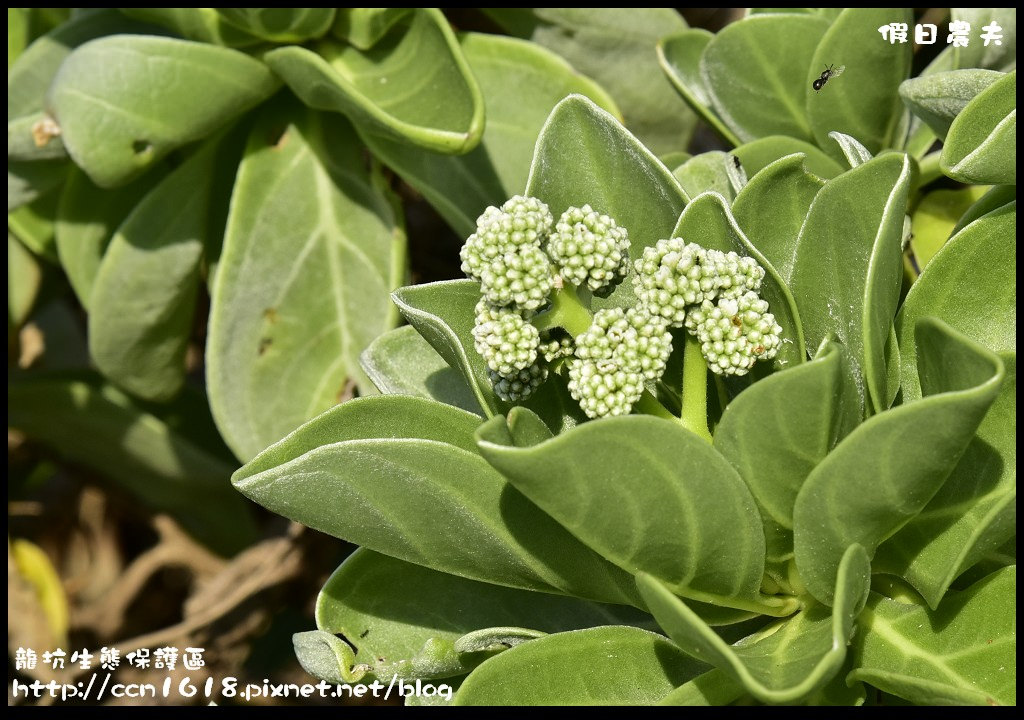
column 759, row 154
column 937, row 98
column 706, row 172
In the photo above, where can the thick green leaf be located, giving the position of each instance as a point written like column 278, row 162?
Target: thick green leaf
column 113, row 124
column 364, row 471
column 615, row 47
column 996, row 197
column 706, row 172
column 520, row 82
column 691, row 522
column 761, row 153
column 754, row 70
column 327, row 657
column 31, row 137
column 444, row 314
column 202, row 24
column 90, row 423
column 280, row 25
column 981, row 146
column 410, row 621
column 888, row 469
column 29, row 181
column 777, row 431
column 994, row 56
column 709, row 222
column 863, row 102
column 920, row 137
column 973, row 514
column 964, row 653
column 311, row 249
column 790, row 660
column 935, row 217
column 713, row 688
column 970, row 284
column 24, row 277
column 679, row 55
column 583, row 156
column 86, row 219
column 600, row 666
column 848, row 264
column 937, row 98
column 413, row 86
column 772, row 207
column 364, row 27
column 33, row 226
column 152, row 266
column 855, row 153
column 401, row 362
column 33, row 72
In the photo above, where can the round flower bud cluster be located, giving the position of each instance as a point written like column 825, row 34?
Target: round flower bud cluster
column 520, row 385
column 504, row 339
column 519, row 256
column 589, row 249
column 734, row 333
column 714, row 294
column 733, row 275
column 614, row 357
column 557, row 347
column 505, row 256
column 671, row 277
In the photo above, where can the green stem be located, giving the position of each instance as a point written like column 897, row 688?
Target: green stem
column 694, row 415
column 929, row 168
column 566, row 311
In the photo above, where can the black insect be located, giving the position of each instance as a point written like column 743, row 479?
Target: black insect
column 830, row 72
column 737, row 163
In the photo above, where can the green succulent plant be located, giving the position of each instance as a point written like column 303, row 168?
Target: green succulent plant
column 570, row 479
